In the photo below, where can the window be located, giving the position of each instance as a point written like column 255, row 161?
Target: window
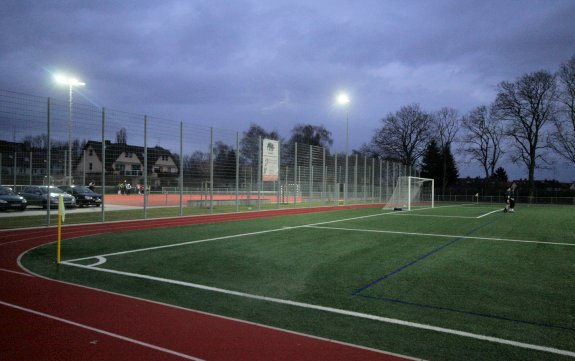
column 90, row 166
column 91, row 153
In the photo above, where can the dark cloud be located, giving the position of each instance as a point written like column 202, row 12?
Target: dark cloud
column 279, row 63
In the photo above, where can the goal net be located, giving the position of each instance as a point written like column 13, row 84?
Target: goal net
column 411, row 192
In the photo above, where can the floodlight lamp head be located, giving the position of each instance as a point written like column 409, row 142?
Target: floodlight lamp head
column 343, row 99
column 68, row 81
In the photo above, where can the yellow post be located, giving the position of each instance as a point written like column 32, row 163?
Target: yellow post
column 59, row 235
column 61, row 217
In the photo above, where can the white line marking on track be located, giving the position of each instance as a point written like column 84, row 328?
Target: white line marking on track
column 18, row 273
column 338, row 311
column 111, row 334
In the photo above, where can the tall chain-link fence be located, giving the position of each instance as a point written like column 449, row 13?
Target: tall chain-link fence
column 151, row 167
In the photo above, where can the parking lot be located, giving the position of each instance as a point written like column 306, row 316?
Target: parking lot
column 38, row 211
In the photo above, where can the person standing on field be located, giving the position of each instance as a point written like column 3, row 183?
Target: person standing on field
column 510, row 198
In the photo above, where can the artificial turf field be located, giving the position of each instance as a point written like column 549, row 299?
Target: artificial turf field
column 449, row 283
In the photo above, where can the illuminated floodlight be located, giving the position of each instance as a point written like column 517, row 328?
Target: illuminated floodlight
column 71, row 82
column 342, row 99
column 62, row 79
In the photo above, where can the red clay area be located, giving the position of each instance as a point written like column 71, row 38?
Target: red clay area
column 44, row 319
column 166, row 199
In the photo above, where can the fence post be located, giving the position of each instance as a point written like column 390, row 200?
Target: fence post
column 295, row 183
column 146, row 186
column 323, row 179
column 103, row 206
column 49, row 158
column 310, row 174
column 181, row 180
column 259, row 180
column 335, row 184
column 84, row 167
column 30, row 163
column 211, row 170
column 355, row 177
column 237, row 170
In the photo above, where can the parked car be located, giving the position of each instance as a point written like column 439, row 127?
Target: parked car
column 38, row 196
column 84, row 195
column 10, row 200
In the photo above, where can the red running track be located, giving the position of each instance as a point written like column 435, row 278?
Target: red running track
column 47, row 320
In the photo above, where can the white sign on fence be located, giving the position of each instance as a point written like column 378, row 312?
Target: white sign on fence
column 270, row 160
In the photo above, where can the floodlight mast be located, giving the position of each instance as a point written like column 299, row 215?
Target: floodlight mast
column 343, row 100
column 71, row 83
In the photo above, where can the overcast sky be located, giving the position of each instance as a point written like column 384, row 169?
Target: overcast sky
column 278, row 63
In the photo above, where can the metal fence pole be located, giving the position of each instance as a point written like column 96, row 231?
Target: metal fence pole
column 103, row 206
column 355, row 178
column 335, row 183
column 30, row 163
column 259, row 180
column 323, row 179
column 14, row 166
column 237, row 170
column 345, row 183
column 48, row 158
column 181, row 180
column 310, row 174
column 146, row 186
column 211, row 170
column 295, row 183
column 380, row 169
column 84, row 167
column 372, row 180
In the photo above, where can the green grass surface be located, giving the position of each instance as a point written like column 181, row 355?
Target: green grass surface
column 515, row 280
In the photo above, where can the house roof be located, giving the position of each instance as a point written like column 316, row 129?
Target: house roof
column 113, row 151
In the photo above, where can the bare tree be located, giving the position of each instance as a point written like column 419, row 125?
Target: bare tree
column 446, row 127
column 527, row 106
column 315, row 135
column 562, row 140
column 403, row 136
column 483, row 139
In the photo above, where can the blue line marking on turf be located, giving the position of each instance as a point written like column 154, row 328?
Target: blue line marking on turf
column 447, row 309
column 420, row 258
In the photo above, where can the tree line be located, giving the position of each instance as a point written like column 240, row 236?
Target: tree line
column 531, row 119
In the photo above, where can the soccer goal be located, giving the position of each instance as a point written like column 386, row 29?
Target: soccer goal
column 411, row 192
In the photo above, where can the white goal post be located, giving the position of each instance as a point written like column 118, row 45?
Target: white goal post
column 412, row 192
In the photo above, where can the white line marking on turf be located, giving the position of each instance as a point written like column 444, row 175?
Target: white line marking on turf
column 18, row 273
column 223, row 237
column 111, row 334
column 338, row 311
column 486, row 214
column 432, row 215
column 441, row 235
column 100, row 260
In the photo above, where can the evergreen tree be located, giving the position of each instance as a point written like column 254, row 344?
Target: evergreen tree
column 451, row 171
column 431, row 163
column 500, row 175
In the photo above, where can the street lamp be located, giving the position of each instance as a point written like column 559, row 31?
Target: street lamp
column 71, row 82
column 343, row 100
